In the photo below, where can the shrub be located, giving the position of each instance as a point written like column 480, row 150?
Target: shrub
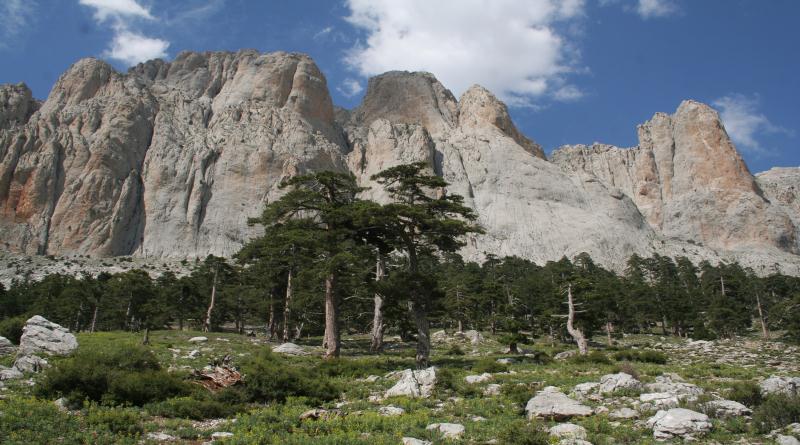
column 116, row 420
column 116, row 375
column 455, row 350
column 594, row 357
column 524, row 434
column 776, row 411
column 11, row 328
column 746, row 393
column 488, row 365
column 192, row 408
column 269, row 378
column 519, row 393
column 628, row 368
column 641, row 356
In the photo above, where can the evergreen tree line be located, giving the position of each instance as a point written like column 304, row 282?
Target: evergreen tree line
column 329, row 262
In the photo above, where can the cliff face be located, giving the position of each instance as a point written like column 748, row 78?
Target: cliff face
column 171, row 159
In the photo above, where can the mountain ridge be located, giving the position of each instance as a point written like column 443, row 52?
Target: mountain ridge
column 172, row 158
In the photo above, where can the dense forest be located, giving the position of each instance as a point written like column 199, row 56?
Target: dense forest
column 329, row 262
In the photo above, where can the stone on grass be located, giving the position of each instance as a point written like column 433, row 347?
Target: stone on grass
column 679, row 388
column 413, row 441
column 6, row 347
column 161, row 437
column 574, row 442
column 492, row 389
column 9, row 373
column 612, row 383
column 657, row 400
column 582, row 390
column 448, row 430
column 391, row 411
column 485, row 377
column 198, row 339
column 289, row 349
column 789, row 386
column 30, row 363
column 568, row 431
column 552, row 403
column 781, row 439
column 414, row 383
column 40, row 336
column 623, row 414
column 726, row 409
column 565, row 355
column 220, row 435
column 473, row 336
column 678, row 422
column 505, row 361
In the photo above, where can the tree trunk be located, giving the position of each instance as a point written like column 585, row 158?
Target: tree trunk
column 460, row 326
column 423, row 334
column 146, row 339
column 287, row 308
column 128, row 313
column 271, row 318
column 583, row 344
column 94, row 318
column 764, row 330
column 207, row 322
column 78, row 318
column 332, row 341
column 722, row 285
column 608, row 333
column 298, row 330
column 513, row 349
column 377, row 316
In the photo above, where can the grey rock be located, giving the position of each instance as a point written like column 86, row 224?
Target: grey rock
column 391, row 411
column 781, row 439
column 414, row 383
column 492, row 389
column 726, row 409
column 552, row 403
column 448, row 430
column 612, row 383
column 220, row 435
column 290, row 349
column 198, row 340
column 40, row 336
column 789, row 386
column 623, row 414
column 678, row 422
column 413, row 441
column 30, row 363
column 471, row 379
column 568, row 431
column 6, row 347
column 9, row 373
column 160, row 437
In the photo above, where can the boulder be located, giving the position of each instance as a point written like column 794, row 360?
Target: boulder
column 667, row 384
column 448, row 430
column 781, row 439
column 42, row 336
column 623, row 414
column 473, row 336
column 160, row 437
column 413, row 441
column 789, row 386
column 439, row 337
column 726, row 409
column 568, row 431
column 30, row 363
column 414, row 383
column 492, row 389
column 485, row 377
column 678, row 422
column 565, row 355
column 657, row 400
column 612, row 383
column 552, row 403
column 9, row 373
column 289, row 349
column 391, row 411
column 220, row 435
column 198, row 339
column 582, row 390
column 6, row 347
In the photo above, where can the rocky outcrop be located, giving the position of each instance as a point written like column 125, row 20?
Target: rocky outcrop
column 679, row 422
column 172, row 158
column 552, row 403
column 414, row 383
column 40, row 336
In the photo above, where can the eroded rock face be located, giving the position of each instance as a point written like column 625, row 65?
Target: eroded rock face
column 172, row 158
column 689, row 182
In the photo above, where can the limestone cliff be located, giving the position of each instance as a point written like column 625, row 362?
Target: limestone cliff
column 172, row 158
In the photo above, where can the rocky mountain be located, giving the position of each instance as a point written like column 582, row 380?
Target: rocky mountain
column 171, row 159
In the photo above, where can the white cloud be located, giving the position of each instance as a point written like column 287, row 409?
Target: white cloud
column 324, row 32
column 132, row 48
column 128, row 45
column 350, row 87
column 655, row 8
column 15, row 17
column 518, row 50
column 568, row 93
column 116, row 9
column 744, row 123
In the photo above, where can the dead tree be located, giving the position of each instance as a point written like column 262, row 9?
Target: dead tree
column 577, row 334
column 377, row 316
column 207, row 322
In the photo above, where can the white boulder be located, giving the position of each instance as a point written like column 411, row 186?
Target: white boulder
column 789, row 386
column 552, row 403
column 678, row 422
column 568, row 431
column 485, row 377
column 612, row 383
column 289, row 349
column 414, row 383
column 42, row 336
column 726, row 408
column 448, row 430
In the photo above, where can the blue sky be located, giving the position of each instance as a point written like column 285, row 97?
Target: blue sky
column 573, row 71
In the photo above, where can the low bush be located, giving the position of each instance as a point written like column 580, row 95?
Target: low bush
column 594, row 357
column 519, row 393
column 11, row 328
column 776, row 411
column 193, row 408
column 746, row 393
column 489, row 365
column 524, row 434
column 455, row 350
column 117, row 420
column 270, row 378
column 641, row 356
column 115, row 375
column 628, row 368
